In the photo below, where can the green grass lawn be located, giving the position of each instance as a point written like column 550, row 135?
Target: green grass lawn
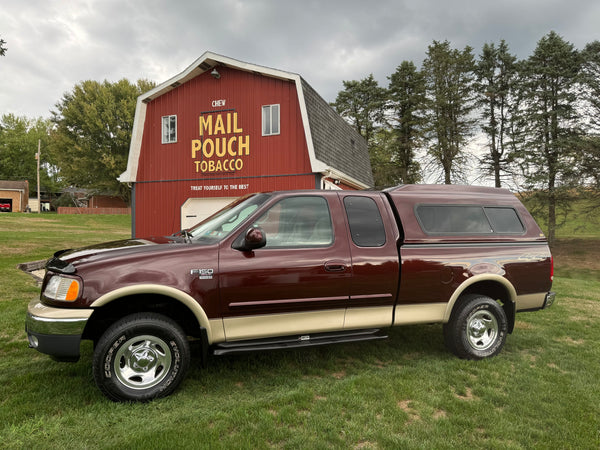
column 542, row 391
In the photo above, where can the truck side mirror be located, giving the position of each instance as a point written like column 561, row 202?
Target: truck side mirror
column 253, row 238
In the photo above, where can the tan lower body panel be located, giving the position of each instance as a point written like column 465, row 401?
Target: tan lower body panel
column 217, row 331
column 420, row 313
column 378, row 316
column 530, row 301
column 256, row 327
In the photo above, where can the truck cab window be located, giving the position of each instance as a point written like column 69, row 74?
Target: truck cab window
column 297, row 222
column 366, row 224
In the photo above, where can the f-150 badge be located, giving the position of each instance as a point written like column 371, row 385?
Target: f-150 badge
column 203, row 274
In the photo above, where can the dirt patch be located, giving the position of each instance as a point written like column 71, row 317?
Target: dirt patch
column 577, row 254
column 528, row 356
column 468, row 396
column 439, row 414
column 413, row 415
column 555, row 367
column 18, row 248
column 587, row 307
column 366, row 444
column 569, row 340
column 520, row 325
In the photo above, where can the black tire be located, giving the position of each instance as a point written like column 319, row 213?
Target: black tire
column 141, row 357
column 477, row 328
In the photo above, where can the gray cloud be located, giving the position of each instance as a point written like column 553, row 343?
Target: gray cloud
column 53, row 45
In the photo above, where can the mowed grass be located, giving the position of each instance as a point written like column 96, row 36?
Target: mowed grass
column 407, row 391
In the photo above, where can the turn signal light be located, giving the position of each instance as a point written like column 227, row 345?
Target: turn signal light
column 62, row 288
column 72, row 292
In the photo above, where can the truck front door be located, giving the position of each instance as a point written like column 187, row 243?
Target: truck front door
column 298, row 282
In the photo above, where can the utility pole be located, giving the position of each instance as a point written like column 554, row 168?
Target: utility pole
column 37, row 156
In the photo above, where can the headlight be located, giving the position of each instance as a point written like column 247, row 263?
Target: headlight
column 62, row 288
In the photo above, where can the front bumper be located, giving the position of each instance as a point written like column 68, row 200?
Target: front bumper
column 56, row 331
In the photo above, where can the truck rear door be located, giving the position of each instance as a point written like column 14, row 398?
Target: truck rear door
column 373, row 239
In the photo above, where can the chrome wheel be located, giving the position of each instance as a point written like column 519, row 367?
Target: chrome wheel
column 141, row 357
column 477, row 327
column 142, row 362
column 482, row 330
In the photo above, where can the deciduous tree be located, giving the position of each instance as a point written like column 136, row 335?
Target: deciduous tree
column 93, row 125
column 19, row 138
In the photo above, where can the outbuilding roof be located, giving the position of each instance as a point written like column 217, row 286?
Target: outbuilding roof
column 14, row 185
column 335, row 148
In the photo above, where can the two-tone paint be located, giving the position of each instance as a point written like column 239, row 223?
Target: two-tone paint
column 224, row 294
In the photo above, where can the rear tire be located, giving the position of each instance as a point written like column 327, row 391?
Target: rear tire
column 141, row 357
column 477, row 328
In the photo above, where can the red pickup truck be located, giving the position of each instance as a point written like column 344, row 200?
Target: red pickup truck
column 292, row 269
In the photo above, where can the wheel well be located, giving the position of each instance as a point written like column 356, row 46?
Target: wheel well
column 104, row 316
column 498, row 292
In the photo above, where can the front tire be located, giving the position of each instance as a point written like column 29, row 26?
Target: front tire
column 477, row 328
column 141, row 357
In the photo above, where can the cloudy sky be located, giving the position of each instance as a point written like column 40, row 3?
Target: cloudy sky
column 54, row 44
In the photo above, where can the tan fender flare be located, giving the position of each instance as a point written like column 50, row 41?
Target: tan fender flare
column 512, row 293
column 214, row 333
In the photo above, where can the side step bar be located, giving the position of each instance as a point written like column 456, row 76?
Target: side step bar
column 306, row 340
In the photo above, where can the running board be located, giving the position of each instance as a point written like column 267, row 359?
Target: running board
column 305, row 340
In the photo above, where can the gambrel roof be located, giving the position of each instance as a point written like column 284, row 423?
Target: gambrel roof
column 335, row 148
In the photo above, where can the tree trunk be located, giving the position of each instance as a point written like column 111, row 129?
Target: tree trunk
column 551, row 204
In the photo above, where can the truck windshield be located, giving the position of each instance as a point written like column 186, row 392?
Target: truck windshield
column 223, row 222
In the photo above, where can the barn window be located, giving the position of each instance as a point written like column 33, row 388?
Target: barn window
column 270, row 120
column 169, row 129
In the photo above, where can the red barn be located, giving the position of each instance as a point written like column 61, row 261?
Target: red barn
column 223, row 128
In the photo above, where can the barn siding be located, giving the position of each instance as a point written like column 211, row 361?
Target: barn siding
column 168, row 173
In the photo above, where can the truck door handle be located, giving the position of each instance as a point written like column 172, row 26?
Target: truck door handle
column 335, row 266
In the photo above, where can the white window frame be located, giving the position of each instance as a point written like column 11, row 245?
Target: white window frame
column 273, row 112
column 166, row 132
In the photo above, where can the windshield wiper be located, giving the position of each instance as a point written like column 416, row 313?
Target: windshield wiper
column 185, row 234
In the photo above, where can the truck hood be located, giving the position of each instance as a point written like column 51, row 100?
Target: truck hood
column 64, row 261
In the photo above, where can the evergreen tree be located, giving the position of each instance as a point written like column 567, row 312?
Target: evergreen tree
column 496, row 72
column 551, row 123
column 382, row 154
column 590, row 149
column 449, row 82
column 2, row 47
column 361, row 103
column 406, row 104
